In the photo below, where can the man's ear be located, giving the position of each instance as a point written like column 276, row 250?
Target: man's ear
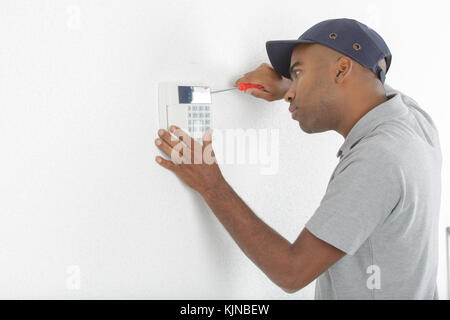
column 344, row 67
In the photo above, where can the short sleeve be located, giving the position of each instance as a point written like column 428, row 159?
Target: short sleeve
column 363, row 192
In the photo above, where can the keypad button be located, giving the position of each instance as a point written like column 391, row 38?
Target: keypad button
column 198, row 120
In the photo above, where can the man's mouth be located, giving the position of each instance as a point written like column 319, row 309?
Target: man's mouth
column 292, row 108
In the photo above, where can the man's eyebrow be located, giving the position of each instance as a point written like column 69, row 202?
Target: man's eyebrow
column 297, row 63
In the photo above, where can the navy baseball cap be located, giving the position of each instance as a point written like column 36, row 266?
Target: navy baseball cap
column 347, row 36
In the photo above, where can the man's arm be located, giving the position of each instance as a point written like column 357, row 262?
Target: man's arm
column 290, row 266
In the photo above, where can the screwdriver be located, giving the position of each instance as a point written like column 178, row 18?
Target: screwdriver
column 241, row 87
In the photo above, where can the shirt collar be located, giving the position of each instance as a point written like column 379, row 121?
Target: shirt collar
column 394, row 106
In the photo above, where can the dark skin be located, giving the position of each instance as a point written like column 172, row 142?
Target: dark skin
column 328, row 91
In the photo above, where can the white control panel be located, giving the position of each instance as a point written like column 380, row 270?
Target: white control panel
column 186, row 106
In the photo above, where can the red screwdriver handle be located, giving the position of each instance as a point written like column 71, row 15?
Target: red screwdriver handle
column 245, row 86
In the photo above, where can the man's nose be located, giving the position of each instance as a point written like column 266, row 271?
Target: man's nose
column 289, row 96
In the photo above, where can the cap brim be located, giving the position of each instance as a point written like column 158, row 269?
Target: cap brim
column 279, row 52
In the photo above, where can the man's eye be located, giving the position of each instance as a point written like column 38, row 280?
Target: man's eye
column 296, row 72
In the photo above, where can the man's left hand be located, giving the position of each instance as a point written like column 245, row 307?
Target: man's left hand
column 192, row 162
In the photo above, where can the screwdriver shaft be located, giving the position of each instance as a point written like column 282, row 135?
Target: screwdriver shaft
column 224, row 90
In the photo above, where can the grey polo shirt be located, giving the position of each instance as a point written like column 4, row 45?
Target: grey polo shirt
column 381, row 206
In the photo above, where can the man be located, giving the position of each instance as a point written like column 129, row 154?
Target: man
column 374, row 235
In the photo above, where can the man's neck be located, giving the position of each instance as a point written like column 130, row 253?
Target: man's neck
column 360, row 107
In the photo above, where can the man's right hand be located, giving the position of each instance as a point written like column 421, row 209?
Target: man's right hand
column 275, row 86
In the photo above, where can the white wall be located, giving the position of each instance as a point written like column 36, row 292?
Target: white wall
column 78, row 98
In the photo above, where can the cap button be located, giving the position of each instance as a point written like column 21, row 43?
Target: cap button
column 356, row 46
column 333, row 35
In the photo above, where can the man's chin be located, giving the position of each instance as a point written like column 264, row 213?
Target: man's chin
column 313, row 130
column 305, row 129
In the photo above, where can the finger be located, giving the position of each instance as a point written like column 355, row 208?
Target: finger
column 184, row 136
column 207, row 137
column 166, row 163
column 243, row 79
column 173, row 153
column 168, row 138
column 259, row 93
column 208, row 152
column 195, row 148
column 172, row 141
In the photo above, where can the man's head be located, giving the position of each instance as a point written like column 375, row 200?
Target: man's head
column 327, row 87
column 341, row 77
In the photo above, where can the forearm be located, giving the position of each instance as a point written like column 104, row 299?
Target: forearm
column 260, row 243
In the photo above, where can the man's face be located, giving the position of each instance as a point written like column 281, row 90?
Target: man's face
column 312, row 95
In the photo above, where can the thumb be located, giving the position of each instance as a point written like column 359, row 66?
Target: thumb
column 209, row 156
column 207, row 137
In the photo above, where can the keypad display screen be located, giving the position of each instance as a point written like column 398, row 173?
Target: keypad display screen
column 189, row 94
